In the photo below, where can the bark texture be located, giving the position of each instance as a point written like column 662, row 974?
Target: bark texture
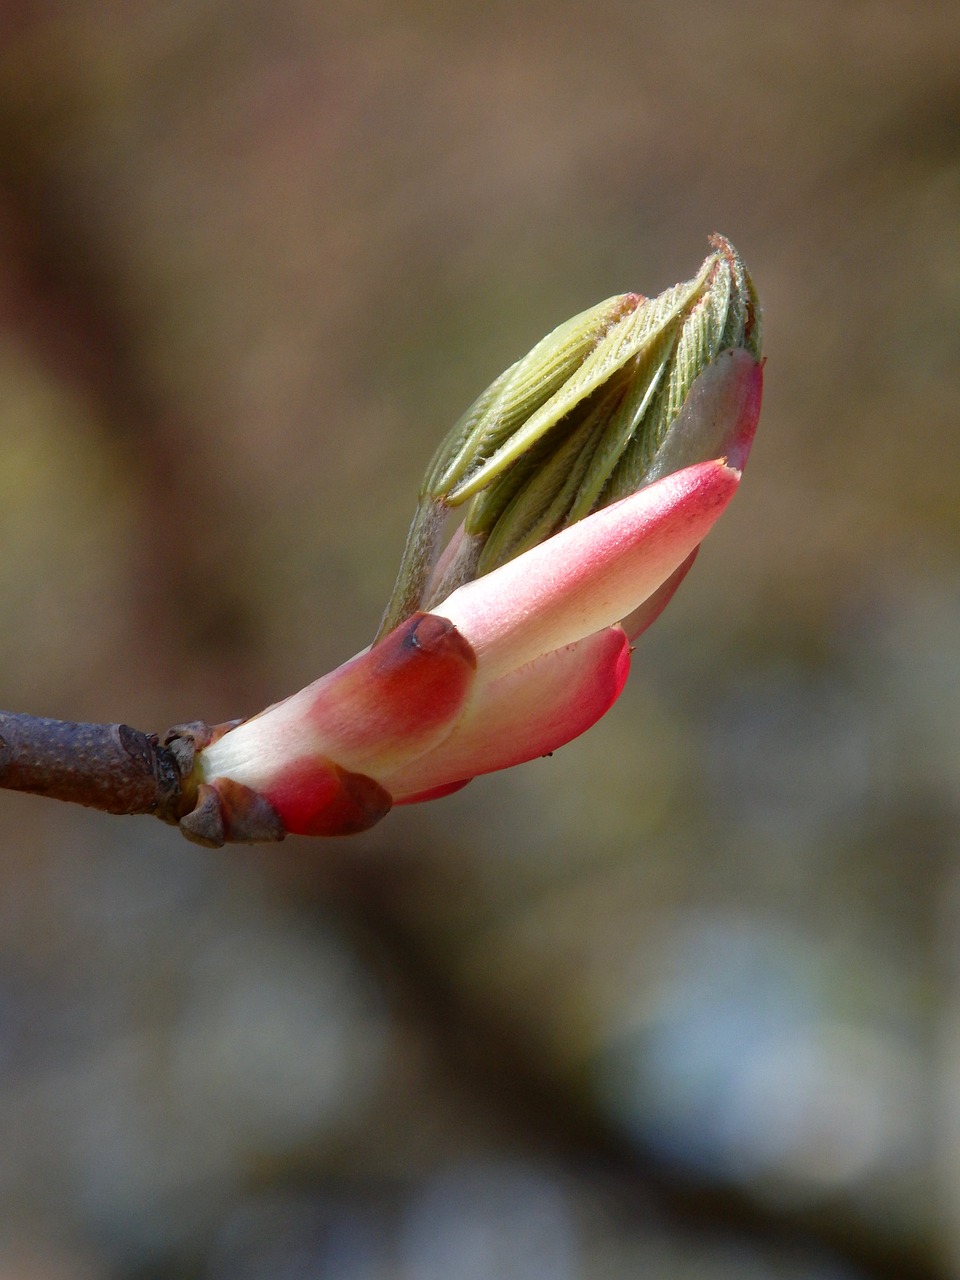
column 111, row 767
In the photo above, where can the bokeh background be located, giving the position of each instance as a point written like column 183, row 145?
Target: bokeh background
column 681, row 1001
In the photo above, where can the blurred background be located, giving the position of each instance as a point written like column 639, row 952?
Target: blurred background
column 681, row 1001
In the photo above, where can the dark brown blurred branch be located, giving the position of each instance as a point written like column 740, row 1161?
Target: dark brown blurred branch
column 111, row 767
column 64, row 300
column 503, row 1077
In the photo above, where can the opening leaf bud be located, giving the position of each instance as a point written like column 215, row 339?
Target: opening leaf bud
column 592, row 414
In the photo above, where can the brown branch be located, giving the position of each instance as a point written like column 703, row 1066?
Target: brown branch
column 117, row 769
column 104, row 766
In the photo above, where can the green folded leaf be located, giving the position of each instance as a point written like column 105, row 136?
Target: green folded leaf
column 576, row 424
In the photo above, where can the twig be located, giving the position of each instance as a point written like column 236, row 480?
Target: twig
column 103, row 766
column 117, row 769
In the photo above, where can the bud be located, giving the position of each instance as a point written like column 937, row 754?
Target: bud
column 588, row 475
column 587, row 417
